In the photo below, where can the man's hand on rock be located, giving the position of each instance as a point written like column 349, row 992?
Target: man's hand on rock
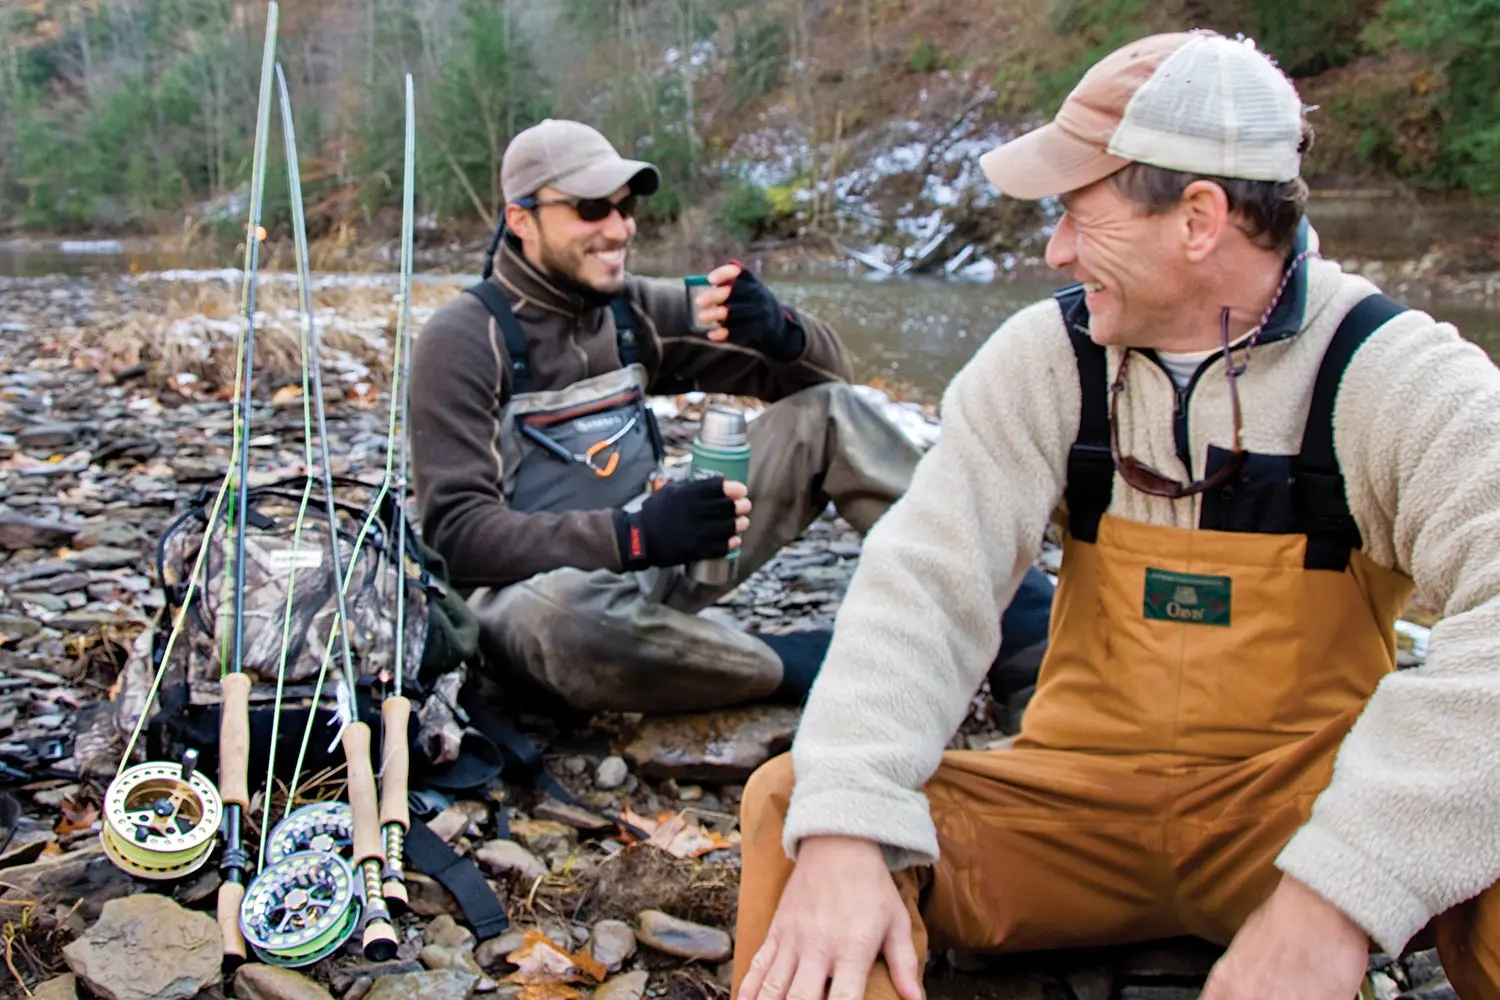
column 840, row 911
column 1295, row 946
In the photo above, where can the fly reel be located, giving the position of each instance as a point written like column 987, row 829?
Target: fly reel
column 325, row 827
column 300, row 909
column 160, row 819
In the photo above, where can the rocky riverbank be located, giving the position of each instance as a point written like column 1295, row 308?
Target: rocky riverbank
column 113, row 412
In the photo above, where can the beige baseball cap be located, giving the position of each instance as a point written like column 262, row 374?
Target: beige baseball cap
column 1192, row 101
column 573, row 158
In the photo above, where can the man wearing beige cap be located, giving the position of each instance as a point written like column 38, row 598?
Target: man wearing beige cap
column 1254, row 460
column 535, row 450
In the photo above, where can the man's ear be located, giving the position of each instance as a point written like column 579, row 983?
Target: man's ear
column 520, row 221
column 1203, row 213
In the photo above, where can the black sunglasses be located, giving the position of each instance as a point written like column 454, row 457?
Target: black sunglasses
column 588, row 209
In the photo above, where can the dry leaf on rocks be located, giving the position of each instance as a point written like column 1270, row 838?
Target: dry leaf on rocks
column 287, row 394
column 541, row 962
column 76, row 816
column 679, row 836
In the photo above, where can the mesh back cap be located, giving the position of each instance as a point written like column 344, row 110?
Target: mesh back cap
column 1194, row 101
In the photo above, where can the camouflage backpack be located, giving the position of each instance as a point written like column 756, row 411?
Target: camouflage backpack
column 290, row 608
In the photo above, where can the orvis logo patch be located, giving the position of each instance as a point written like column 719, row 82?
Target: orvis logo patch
column 1187, row 597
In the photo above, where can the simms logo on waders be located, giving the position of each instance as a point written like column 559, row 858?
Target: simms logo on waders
column 1186, row 597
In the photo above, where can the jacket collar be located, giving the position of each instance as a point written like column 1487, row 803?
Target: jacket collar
column 527, row 283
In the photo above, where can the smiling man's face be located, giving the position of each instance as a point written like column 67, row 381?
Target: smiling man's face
column 591, row 253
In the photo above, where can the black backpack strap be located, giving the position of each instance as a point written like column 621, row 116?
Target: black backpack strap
column 1091, row 470
column 515, row 340
column 482, row 908
column 630, row 352
column 1318, row 485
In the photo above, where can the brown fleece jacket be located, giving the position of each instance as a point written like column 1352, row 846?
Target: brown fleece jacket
column 461, row 382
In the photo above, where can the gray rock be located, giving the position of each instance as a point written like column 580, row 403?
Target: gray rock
column 448, row 933
column 85, row 875
column 437, row 956
column 105, row 557
column 66, row 582
column 64, row 987
column 612, row 942
column 713, row 748
column 491, row 954
column 501, row 856
column 146, row 947
column 450, row 823
column 1091, row 984
column 682, row 938
column 19, row 532
column 611, row 773
column 50, row 435
column 47, row 602
column 626, row 986
column 428, row 897
column 267, row 982
column 19, row 626
column 439, row 984
column 1422, row 966
column 343, row 978
column 1433, row 989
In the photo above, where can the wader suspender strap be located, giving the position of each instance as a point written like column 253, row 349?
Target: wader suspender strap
column 460, row 876
column 1317, row 486
column 515, row 341
column 1317, row 483
column 1091, row 470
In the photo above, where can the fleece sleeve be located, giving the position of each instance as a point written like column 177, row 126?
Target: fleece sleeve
column 1407, row 827
column 921, row 621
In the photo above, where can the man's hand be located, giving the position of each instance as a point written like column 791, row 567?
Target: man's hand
column 1295, row 946
column 839, row 912
column 738, row 308
column 684, row 521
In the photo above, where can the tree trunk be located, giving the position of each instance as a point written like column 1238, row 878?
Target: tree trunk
column 867, row 11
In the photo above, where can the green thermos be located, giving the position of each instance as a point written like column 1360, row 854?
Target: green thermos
column 722, row 448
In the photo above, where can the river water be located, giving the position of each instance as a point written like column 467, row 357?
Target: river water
column 912, row 333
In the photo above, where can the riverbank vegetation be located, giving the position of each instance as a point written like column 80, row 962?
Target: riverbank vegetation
column 133, row 115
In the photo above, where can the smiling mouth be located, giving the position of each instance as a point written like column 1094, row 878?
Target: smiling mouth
column 610, row 258
column 1093, row 286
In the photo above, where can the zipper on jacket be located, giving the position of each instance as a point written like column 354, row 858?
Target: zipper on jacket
column 1182, row 396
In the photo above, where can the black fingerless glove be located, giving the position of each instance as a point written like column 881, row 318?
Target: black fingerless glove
column 759, row 322
column 681, row 523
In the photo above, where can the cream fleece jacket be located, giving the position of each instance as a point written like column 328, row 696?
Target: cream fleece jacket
column 1407, row 827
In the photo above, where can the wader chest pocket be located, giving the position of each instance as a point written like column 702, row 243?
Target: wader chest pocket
column 589, row 456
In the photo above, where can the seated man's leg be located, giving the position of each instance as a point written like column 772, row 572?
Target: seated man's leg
column 604, row 641
column 1468, row 940
column 1230, row 823
column 1039, row 849
column 822, row 444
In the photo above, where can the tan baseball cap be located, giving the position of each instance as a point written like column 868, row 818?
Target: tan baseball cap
column 1192, row 101
column 573, row 158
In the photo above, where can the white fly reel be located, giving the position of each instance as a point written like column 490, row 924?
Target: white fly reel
column 160, row 819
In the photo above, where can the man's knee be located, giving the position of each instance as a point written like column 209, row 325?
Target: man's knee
column 768, row 793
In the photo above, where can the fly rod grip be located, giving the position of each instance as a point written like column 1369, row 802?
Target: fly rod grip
column 379, row 937
column 234, row 739
column 231, row 895
column 395, row 816
column 395, row 763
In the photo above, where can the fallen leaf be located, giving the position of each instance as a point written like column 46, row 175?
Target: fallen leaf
column 679, row 836
column 548, row 991
column 286, row 394
column 76, row 816
column 540, row 961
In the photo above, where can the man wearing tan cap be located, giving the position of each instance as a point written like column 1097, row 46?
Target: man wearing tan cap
column 534, row 447
column 1254, row 460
